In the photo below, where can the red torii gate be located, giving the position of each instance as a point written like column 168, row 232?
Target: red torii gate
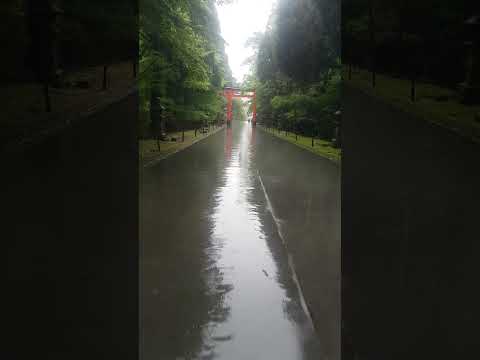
column 231, row 93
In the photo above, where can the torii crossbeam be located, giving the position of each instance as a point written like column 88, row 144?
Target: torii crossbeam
column 230, row 93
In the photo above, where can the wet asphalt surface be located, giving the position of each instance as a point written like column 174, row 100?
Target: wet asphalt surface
column 410, row 246
column 69, row 221
column 240, row 239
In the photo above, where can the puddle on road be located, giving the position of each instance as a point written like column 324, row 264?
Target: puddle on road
column 260, row 313
column 216, row 282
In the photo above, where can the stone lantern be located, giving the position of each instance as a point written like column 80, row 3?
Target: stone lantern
column 470, row 88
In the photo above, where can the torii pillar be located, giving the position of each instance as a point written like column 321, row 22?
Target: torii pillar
column 229, row 96
column 231, row 93
column 254, row 109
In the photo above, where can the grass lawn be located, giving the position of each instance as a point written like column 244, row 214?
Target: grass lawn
column 433, row 103
column 148, row 149
column 321, row 147
column 23, row 104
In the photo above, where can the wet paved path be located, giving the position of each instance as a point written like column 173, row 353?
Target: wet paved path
column 218, row 281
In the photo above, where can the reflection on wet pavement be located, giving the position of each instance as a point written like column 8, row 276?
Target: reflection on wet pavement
column 218, row 283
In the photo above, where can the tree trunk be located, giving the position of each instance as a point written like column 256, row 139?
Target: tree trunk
column 48, row 105
column 104, row 86
column 372, row 43
column 42, row 52
column 412, row 89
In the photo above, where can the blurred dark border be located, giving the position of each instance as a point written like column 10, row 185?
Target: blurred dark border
column 68, row 149
column 410, row 179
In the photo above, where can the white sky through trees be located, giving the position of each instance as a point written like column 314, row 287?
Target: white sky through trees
column 239, row 21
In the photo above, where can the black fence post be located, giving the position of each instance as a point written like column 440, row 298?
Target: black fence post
column 412, row 89
column 372, row 43
column 46, row 92
column 104, row 86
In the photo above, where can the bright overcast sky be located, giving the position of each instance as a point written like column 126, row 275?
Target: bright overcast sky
column 238, row 22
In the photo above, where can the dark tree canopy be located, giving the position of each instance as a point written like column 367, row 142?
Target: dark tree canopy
column 297, row 69
column 182, row 62
column 425, row 37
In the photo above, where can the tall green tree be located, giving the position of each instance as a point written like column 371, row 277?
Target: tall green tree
column 297, row 70
column 183, row 63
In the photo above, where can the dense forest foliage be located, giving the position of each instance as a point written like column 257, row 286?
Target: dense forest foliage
column 296, row 68
column 420, row 38
column 183, row 65
column 98, row 32
column 77, row 33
